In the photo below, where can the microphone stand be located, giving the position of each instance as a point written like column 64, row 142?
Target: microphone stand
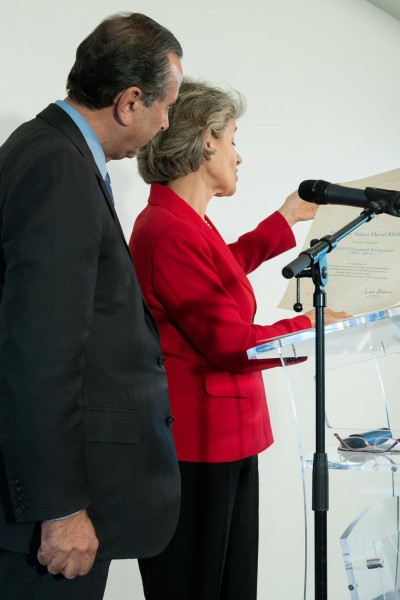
column 312, row 262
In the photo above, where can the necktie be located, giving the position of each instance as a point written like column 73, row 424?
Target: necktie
column 107, row 181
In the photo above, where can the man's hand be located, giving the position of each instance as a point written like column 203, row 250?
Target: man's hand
column 68, row 546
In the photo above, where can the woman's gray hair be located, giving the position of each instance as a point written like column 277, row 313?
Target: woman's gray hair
column 180, row 150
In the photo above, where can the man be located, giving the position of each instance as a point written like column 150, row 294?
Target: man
column 87, row 462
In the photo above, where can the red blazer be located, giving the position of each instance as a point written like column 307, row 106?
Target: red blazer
column 204, row 305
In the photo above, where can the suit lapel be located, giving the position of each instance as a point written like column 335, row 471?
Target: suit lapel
column 110, row 206
column 57, row 117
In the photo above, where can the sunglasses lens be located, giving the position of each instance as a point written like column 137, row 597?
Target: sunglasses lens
column 382, row 440
column 385, row 443
column 355, row 442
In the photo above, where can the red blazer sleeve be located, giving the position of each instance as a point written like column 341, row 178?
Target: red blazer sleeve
column 271, row 237
column 188, row 283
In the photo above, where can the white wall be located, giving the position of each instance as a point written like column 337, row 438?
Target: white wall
column 323, row 89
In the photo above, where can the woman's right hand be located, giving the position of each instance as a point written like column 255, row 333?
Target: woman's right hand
column 331, row 316
column 294, row 209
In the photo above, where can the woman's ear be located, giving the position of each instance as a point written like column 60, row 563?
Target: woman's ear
column 126, row 104
column 209, row 141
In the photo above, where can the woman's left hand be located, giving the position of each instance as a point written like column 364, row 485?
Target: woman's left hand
column 294, row 209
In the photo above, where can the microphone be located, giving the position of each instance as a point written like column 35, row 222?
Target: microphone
column 322, row 192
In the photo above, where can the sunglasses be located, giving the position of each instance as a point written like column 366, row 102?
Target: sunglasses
column 372, row 441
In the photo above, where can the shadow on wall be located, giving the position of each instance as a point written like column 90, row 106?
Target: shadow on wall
column 8, row 124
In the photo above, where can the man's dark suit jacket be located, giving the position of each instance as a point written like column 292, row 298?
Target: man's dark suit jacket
column 84, row 409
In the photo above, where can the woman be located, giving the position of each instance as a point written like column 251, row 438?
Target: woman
column 197, row 289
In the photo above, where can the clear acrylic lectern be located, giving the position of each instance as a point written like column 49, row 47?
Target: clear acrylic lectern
column 362, row 379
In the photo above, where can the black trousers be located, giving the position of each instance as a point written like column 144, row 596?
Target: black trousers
column 23, row 578
column 214, row 553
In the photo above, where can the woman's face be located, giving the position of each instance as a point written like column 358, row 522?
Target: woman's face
column 223, row 165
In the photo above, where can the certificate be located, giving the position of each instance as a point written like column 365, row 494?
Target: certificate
column 364, row 268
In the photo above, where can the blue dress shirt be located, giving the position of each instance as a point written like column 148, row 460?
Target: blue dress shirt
column 91, row 138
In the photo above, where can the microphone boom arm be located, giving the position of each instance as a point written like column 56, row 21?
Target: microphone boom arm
column 327, row 243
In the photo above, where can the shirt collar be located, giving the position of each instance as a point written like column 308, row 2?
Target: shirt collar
column 88, row 133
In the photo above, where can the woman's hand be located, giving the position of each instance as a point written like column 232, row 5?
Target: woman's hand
column 294, row 209
column 331, row 316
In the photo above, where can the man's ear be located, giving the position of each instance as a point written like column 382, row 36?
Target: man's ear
column 127, row 103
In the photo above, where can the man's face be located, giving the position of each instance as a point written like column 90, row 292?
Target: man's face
column 147, row 121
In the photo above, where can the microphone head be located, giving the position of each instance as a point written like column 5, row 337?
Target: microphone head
column 313, row 190
column 305, row 190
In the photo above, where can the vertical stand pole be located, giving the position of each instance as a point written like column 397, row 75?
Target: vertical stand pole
column 313, row 263
column 320, row 492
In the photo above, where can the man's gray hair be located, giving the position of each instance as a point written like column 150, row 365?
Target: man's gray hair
column 125, row 50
